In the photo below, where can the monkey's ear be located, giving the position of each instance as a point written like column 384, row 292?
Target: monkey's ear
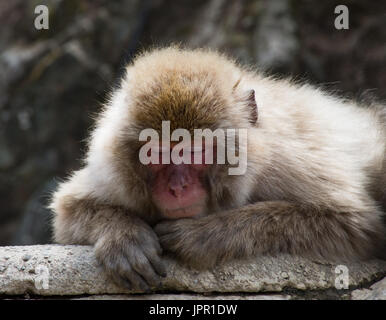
column 252, row 106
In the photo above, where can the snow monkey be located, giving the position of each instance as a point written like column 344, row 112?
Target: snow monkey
column 314, row 184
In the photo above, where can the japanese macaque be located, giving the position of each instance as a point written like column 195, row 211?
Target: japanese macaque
column 314, row 184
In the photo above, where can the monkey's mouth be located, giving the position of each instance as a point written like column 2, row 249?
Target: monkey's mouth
column 194, row 210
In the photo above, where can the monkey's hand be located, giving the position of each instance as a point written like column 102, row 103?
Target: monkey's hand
column 201, row 243
column 131, row 256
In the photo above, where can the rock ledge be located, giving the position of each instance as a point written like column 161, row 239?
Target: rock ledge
column 56, row 270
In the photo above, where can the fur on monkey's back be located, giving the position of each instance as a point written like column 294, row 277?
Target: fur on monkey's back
column 307, row 134
column 308, row 149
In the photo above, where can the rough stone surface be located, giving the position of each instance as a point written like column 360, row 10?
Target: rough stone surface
column 186, row 297
column 376, row 292
column 72, row 270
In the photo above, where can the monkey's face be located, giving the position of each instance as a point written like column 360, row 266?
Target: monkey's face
column 179, row 190
column 164, row 109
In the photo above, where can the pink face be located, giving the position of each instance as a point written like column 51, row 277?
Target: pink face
column 177, row 189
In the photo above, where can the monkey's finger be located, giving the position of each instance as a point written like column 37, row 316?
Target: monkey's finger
column 158, row 247
column 141, row 265
column 148, row 274
column 162, row 229
column 153, row 246
column 136, row 281
column 158, row 265
column 121, row 281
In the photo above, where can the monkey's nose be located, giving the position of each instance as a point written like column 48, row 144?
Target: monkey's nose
column 177, row 189
column 178, row 184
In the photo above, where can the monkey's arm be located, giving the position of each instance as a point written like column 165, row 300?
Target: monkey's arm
column 269, row 227
column 124, row 244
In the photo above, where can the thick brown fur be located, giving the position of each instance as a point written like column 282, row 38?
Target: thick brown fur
column 315, row 183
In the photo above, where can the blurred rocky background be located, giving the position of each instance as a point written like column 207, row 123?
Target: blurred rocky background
column 52, row 81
